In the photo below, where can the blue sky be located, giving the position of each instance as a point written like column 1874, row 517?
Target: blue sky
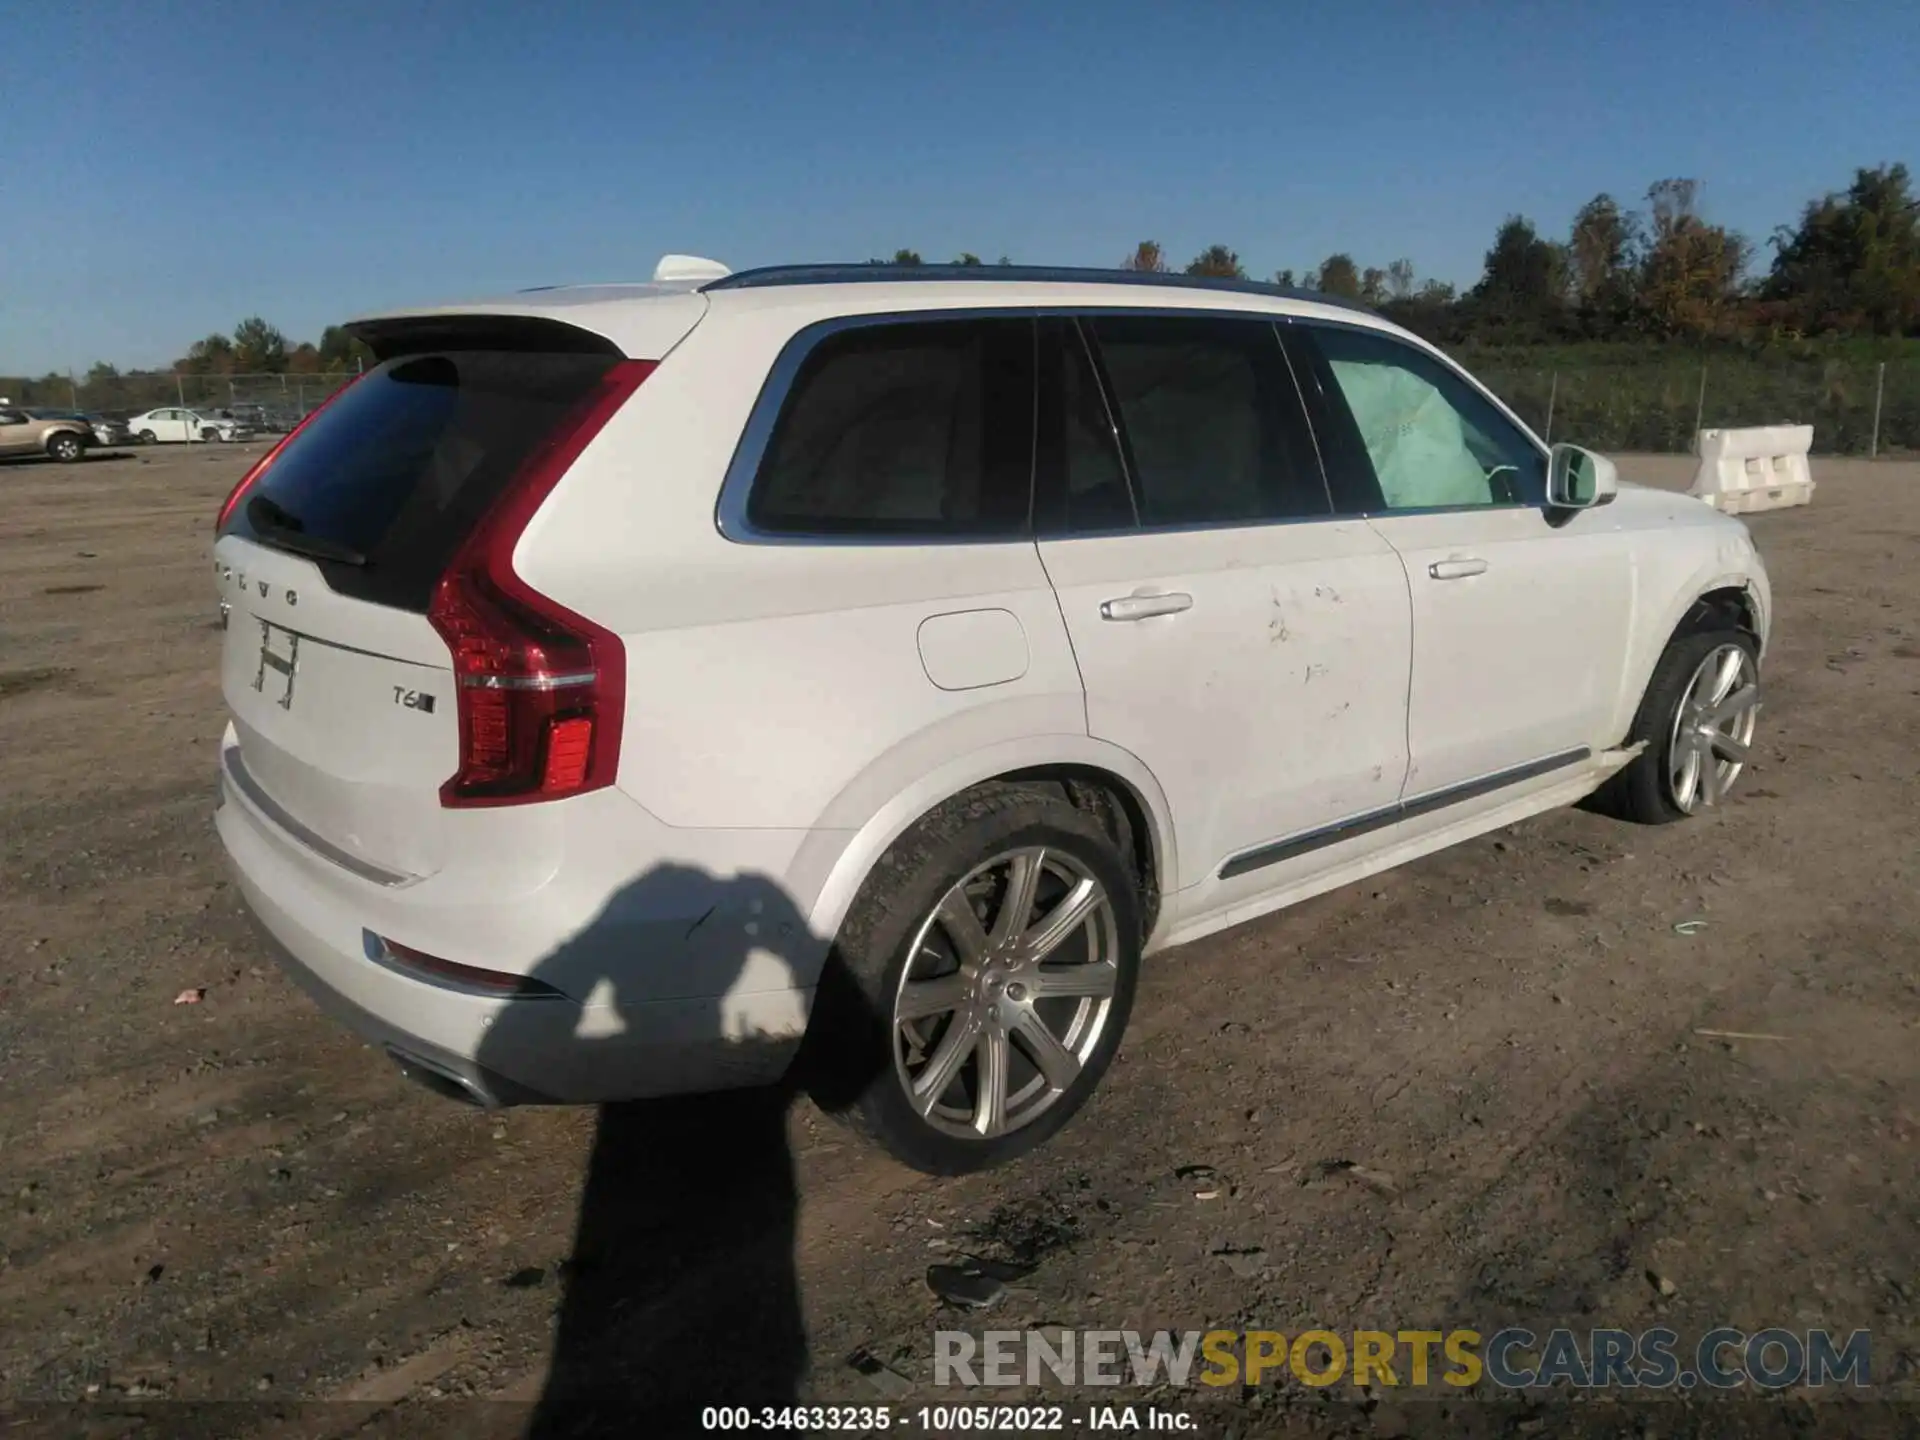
column 174, row 167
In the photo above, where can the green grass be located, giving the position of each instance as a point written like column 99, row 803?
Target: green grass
column 1641, row 397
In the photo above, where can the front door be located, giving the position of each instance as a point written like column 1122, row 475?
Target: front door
column 1234, row 635
column 1521, row 614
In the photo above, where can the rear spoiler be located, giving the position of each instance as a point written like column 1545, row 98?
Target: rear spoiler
column 415, row 334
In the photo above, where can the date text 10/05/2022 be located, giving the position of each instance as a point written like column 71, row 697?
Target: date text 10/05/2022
column 949, row 1419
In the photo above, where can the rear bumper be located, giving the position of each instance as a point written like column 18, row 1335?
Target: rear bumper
column 596, row 1041
column 465, row 1077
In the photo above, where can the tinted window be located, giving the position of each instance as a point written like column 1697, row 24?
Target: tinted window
column 1426, row 436
column 905, row 429
column 1084, row 487
column 1210, row 420
column 401, row 465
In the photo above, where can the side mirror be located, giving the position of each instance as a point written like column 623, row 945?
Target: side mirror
column 1578, row 479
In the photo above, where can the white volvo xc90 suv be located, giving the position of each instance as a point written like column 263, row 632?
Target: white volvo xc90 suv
column 630, row 683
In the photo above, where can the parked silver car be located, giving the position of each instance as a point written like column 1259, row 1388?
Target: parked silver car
column 108, row 431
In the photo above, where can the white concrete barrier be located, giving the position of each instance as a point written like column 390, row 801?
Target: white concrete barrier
column 1764, row 468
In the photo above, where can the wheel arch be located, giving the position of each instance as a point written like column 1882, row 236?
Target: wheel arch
column 1734, row 600
column 1103, row 779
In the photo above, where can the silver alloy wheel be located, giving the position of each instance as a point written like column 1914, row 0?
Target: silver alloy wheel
column 1713, row 728
column 1006, row 993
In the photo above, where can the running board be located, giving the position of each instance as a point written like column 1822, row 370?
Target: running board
column 1558, row 788
column 1343, row 830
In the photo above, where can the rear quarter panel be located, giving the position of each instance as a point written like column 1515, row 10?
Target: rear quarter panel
column 776, row 685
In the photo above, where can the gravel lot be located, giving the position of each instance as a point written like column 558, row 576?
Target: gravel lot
column 235, row 1203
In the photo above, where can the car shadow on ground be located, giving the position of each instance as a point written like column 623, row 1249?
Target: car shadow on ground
column 92, row 457
column 681, row 1290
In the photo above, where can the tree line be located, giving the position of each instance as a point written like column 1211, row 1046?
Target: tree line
column 254, row 348
column 1849, row 266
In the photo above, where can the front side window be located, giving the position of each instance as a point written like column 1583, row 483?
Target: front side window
column 1431, row 439
column 1210, row 420
column 919, row 428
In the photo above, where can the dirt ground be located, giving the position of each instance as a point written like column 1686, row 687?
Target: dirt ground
column 1475, row 1092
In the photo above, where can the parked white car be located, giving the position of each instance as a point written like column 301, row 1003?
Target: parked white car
column 630, row 682
column 175, row 424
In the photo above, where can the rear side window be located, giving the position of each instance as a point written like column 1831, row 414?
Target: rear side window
column 401, row 466
column 1210, row 420
column 910, row 429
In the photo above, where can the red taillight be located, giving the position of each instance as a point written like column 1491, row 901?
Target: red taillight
column 569, row 747
column 265, row 463
column 540, row 690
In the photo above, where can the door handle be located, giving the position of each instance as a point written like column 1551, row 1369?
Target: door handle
column 1456, row 569
column 1142, row 607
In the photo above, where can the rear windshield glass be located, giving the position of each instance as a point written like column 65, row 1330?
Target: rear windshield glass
column 399, row 468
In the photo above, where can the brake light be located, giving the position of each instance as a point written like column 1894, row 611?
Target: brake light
column 540, row 690
column 265, row 462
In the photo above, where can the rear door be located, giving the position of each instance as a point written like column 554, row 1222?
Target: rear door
column 340, row 689
column 1248, row 646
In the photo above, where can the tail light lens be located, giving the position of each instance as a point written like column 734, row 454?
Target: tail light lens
column 540, row 690
column 265, row 462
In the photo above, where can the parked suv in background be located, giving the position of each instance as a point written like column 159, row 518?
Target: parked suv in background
column 625, row 679
column 64, row 437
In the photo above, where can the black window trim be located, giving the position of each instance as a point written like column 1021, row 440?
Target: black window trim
column 1307, row 324
column 737, row 482
column 1122, row 447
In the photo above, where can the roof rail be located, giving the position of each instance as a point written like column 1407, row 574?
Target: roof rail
column 883, row 272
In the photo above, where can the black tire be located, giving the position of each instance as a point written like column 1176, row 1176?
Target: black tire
column 211, row 434
column 851, row 1043
column 1642, row 793
column 147, row 437
column 66, row 447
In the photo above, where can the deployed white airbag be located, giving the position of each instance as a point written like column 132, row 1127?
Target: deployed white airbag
column 1417, row 442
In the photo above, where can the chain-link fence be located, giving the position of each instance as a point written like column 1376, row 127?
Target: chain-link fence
column 1656, row 405
column 1633, row 402
column 267, row 402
